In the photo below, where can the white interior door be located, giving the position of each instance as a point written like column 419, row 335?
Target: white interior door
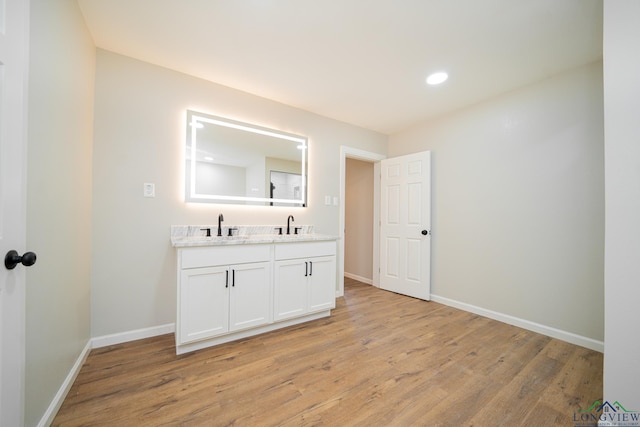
column 405, row 225
column 13, row 80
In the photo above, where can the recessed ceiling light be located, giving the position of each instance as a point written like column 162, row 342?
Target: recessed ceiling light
column 208, row 158
column 437, row 78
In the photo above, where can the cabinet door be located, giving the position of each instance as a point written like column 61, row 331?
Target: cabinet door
column 203, row 304
column 250, row 299
column 290, row 289
column 322, row 283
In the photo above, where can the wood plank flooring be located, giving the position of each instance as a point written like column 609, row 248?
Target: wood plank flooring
column 381, row 359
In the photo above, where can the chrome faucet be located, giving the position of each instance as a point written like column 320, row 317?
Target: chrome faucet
column 220, row 219
column 289, row 223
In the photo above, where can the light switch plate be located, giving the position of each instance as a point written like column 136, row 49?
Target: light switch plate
column 149, row 190
column 327, row 200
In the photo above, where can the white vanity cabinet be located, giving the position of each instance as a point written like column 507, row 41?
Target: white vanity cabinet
column 304, row 278
column 230, row 291
column 215, row 299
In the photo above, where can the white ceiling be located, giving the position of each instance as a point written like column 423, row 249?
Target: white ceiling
column 359, row 61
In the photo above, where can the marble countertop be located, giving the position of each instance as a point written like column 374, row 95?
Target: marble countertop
column 193, row 236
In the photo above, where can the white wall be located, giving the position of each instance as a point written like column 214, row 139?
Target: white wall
column 518, row 202
column 358, row 252
column 138, row 137
column 622, row 245
column 62, row 66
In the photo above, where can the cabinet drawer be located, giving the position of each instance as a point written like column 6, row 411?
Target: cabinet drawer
column 224, row 255
column 304, row 250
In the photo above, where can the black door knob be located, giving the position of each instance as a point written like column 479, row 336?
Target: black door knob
column 425, row 232
column 12, row 259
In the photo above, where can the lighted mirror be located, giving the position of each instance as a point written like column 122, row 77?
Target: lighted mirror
column 234, row 162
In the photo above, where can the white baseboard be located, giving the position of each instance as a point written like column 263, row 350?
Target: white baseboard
column 358, row 278
column 137, row 334
column 56, row 403
column 569, row 337
column 97, row 342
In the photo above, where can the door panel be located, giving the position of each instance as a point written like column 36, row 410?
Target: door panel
column 14, row 57
column 393, row 212
column 414, row 204
column 405, row 252
column 322, row 294
column 250, row 293
column 290, row 289
column 204, row 303
column 392, row 258
column 414, row 261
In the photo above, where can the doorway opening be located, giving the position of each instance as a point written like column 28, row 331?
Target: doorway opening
column 358, row 227
column 371, row 161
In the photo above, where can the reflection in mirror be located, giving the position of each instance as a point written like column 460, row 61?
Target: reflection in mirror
column 233, row 162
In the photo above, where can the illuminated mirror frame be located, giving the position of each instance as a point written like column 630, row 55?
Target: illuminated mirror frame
column 197, row 120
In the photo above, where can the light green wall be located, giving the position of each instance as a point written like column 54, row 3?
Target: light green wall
column 518, row 202
column 62, row 67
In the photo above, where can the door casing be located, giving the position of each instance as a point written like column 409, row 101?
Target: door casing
column 367, row 156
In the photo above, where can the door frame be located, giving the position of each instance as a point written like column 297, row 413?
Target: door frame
column 367, row 156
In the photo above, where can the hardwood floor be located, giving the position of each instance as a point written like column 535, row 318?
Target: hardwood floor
column 381, row 359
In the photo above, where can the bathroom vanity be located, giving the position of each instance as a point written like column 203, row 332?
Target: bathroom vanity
column 256, row 281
